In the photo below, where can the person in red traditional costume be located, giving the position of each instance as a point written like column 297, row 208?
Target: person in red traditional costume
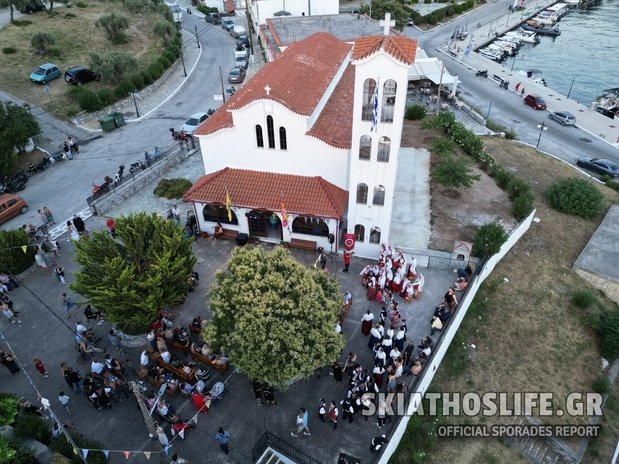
column 412, row 268
column 371, row 294
column 366, row 322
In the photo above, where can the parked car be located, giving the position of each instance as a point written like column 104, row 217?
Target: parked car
column 10, row 206
column 242, row 41
column 535, row 102
column 213, row 18
column 236, row 75
column 410, row 22
column 194, row 121
column 227, row 24
column 564, row 117
column 599, row 166
column 78, row 75
column 45, row 73
column 32, row 7
column 241, row 62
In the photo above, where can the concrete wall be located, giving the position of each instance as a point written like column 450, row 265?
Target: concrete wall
column 304, row 156
column 263, row 9
column 447, row 335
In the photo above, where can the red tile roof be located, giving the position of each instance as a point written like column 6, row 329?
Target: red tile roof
column 334, row 125
column 297, row 79
column 305, row 195
column 401, row 48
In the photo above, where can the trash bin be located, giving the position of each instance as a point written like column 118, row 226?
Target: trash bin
column 107, row 123
column 242, row 239
column 119, row 119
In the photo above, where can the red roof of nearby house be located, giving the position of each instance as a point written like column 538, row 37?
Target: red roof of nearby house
column 297, row 79
column 334, row 125
column 401, row 48
column 311, row 196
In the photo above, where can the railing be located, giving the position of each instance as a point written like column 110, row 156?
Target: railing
column 438, row 262
column 268, row 440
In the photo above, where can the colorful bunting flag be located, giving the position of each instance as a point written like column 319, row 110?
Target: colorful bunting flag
column 147, row 454
column 127, row 454
column 85, row 453
column 228, row 208
column 106, row 453
column 24, row 248
column 284, row 214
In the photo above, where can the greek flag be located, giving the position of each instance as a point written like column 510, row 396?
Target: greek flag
column 374, row 110
column 469, row 47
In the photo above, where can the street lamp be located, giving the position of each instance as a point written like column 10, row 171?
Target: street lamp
column 137, row 112
column 542, row 127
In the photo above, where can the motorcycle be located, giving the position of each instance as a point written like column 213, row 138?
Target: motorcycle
column 231, row 90
column 11, row 185
column 133, row 167
column 179, row 135
column 481, row 73
column 39, row 167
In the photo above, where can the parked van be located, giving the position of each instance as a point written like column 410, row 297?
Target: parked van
column 10, row 206
column 177, row 12
column 241, row 54
column 227, row 24
column 237, row 31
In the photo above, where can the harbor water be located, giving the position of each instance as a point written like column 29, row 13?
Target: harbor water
column 586, row 52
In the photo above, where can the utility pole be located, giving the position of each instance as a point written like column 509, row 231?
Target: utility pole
column 197, row 40
column 150, row 424
column 438, row 96
column 221, row 79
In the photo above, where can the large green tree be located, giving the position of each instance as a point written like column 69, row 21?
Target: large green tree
column 378, row 9
column 274, row 317
column 113, row 66
column 146, row 268
column 17, row 125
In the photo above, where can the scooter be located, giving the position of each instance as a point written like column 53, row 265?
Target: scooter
column 179, row 135
column 481, row 73
column 133, row 167
column 39, row 167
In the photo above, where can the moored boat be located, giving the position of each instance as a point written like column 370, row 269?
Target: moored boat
column 542, row 30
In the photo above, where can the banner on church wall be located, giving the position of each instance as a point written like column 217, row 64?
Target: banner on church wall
column 349, row 241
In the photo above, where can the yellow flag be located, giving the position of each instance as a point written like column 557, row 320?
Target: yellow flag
column 24, row 248
column 228, row 206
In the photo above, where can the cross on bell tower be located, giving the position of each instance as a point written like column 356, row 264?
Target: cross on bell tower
column 387, row 23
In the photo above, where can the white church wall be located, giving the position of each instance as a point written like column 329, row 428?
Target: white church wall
column 305, row 156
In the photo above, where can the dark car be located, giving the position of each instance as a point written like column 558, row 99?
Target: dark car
column 236, row 75
column 535, row 102
column 242, row 41
column 213, row 18
column 78, row 75
column 599, row 166
column 32, row 7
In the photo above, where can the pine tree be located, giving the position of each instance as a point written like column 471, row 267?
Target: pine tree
column 131, row 278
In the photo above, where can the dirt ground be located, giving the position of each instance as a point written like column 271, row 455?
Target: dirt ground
column 74, row 49
column 457, row 217
column 531, row 338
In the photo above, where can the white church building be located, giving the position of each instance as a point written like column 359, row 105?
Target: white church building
column 306, row 151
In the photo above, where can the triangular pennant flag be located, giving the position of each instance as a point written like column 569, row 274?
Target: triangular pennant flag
column 127, row 454
column 147, row 454
column 194, row 419
column 24, row 248
column 182, row 434
column 165, row 450
column 85, row 452
column 75, row 451
column 106, row 453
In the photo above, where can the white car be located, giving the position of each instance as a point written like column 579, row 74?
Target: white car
column 194, row 121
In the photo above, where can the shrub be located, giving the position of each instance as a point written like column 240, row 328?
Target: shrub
column 170, row 56
column 114, row 24
column 488, row 240
column 432, row 20
column 442, row 146
column 164, row 62
column 522, row 205
column 9, row 50
column 511, row 134
column 9, row 407
column 172, row 188
column 415, row 112
column 88, row 99
column 71, row 111
column 156, row 70
column 575, row 196
column 470, row 4
column 69, row 16
column 609, row 334
column 584, row 299
column 136, row 6
column 450, row 11
column 148, row 79
column 427, row 2
column 21, row 23
column 207, row 9
column 457, row 8
column 123, row 89
column 175, row 50
column 106, row 96
column 32, row 426
column 54, row 52
column 138, row 81
column 440, row 14
column 12, row 257
column 453, row 172
column 81, row 5
column 517, row 187
column 41, row 41
column 601, row 385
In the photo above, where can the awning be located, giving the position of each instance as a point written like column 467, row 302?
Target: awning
column 430, row 68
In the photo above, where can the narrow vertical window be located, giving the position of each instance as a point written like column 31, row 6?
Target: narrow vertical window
column 259, row 138
column 384, row 147
column 375, row 235
column 369, row 88
column 283, row 143
column 270, row 132
column 379, row 195
column 388, row 107
column 359, row 233
column 365, row 147
column 362, row 193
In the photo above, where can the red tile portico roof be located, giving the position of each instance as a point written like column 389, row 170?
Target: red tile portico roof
column 310, row 196
column 297, row 79
column 402, row 49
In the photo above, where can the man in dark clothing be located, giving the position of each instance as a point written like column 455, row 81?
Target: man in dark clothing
column 377, row 443
column 348, row 410
column 79, row 224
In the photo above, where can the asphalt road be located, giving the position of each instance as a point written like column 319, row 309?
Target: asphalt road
column 505, row 107
column 64, row 188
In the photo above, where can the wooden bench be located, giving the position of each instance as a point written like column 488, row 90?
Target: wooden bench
column 195, row 330
column 179, row 346
column 199, row 357
column 177, row 371
column 229, row 234
column 303, row 244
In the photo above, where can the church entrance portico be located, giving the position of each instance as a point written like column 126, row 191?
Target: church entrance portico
column 264, row 224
